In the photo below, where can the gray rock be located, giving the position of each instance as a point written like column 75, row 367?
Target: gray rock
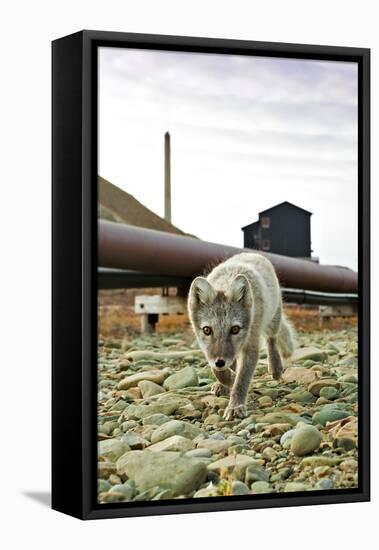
column 315, row 461
column 209, row 491
column 301, row 397
column 119, row 406
column 148, row 388
column 309, row 363
column 305, row 440
column 215, row 402
column 129, row 425
column 259, row 487
column 103, row 486
column 282, row 474
column 156, row 376
column 303, row 354
column 271, row 392
column 173, row 342
column 265, row 401
column 166, row 406
column 295, row 486
column 324, row 484
column 235, row 464
column 345, row 443
column 237, row 449
column 175, row 427
column 173, row 443
column 246, row 422
column 239, row 488
column 112, row 449
column 282, row 418
column 260, row 426
column 108, row 427
column 155, row 419
column 182, row 379
column 105, row 469
column 329, row 392
column 255, row 472
column 146, row 431
column 189, row 412
column 270, row 454
column 134, row 441
column 199, row 452
column 130, row 487
column 250, row 427
column 353, row 398
column 173, row 471
column 199, row 438
column 114, row 479
column 214, row 445
column 217, row 435
column 350, row 378
column 126, row 490
column 162, row 495
column 349, row 361
column 110, row 496
column 329, row 413
column 236, row 440
column 155, row 493
column 316, row 386
column 212, row 420
column 285, row 440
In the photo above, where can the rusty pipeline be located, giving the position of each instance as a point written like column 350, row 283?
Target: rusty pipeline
column 124, row 246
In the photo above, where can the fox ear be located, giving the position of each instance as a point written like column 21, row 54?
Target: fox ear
column 202, row 291
column 240, row 291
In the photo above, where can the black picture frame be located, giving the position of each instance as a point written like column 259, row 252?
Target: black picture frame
column 74, row 314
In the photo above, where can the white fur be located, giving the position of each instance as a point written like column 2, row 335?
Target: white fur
column 242, row 290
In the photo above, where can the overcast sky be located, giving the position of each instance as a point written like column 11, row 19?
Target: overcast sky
column 246, row 134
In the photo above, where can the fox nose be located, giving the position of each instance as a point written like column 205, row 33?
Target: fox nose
column 220, row 363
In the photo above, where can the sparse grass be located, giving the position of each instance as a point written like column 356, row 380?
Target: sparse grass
column 116, row 317
column 308, row 319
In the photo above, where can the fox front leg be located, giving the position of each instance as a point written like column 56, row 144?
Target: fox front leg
column 274, row 359
column 225, row 380
column 238, row 395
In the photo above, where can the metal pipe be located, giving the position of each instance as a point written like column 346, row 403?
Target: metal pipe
column 309, row 297
column 124, row 278
column 124, row 246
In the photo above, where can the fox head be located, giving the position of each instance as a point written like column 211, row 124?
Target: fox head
column 220, row 319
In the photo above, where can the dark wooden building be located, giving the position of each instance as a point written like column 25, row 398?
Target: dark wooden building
column 282, row 229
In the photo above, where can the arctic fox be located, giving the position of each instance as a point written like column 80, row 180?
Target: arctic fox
column 230, row 310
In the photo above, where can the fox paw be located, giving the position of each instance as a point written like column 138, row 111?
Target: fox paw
column 235, row 412
column 276, row 372
column 219, row 390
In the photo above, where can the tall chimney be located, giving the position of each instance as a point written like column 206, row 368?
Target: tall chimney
column 167, row 177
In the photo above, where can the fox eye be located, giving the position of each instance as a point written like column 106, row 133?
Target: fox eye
column 235, row 329
column 207, row 331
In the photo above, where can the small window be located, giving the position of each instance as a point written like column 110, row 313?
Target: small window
column 266, row 244
column 265, row 222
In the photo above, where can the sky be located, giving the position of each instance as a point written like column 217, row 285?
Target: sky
column 246, row 133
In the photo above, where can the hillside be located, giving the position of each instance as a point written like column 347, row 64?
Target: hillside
column 117, row 205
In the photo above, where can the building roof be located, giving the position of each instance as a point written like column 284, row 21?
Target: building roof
column 250, row 225
column 285, row 203
column 117, row 205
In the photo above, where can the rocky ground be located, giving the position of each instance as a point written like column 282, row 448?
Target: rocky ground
column 161, row 432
